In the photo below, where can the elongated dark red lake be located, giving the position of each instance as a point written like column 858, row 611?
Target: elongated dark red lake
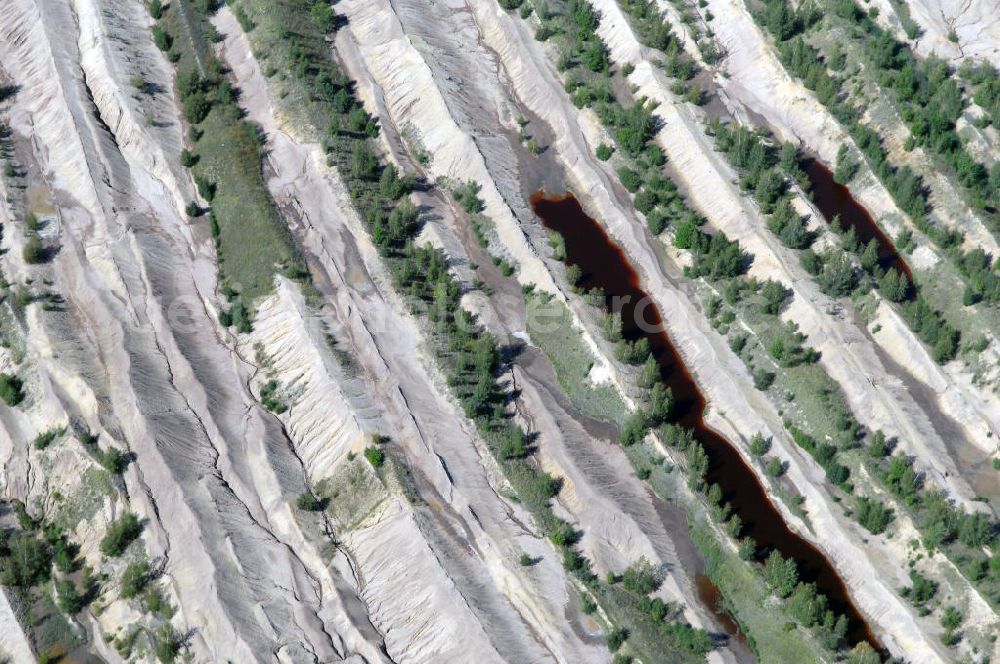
column 605, row 266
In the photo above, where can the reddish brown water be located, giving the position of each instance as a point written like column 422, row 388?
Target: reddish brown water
column 605, row 266
column 711, row 597
column 835, row 200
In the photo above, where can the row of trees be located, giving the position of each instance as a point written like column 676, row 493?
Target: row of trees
column 835, row 272
column 970, row 539
column 930, row 103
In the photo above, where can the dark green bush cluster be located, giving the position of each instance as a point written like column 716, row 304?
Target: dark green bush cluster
column 932, row 329
column 308, row 502
column 271, row 399
column 758, row 164
column 789, row 226
column 46, row 438
column 873, row 515
column 375, row 456
column 134, row 579
column 905, row 187
column 120, row 534
column 930, row 102
column 805, row 602
column 985, row 81
column 825, row 455
column 979, row 269
column 25, row 561
column 653, row 31
column 715, row 255
column 922, row 589
column 788, row 349
column 11, row 389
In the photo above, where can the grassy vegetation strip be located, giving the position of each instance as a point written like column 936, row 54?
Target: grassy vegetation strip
column 548, row 322
column 225, row 157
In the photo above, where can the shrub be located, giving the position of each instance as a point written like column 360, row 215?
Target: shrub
column 134, row 579
column 196, row 107
column 922, row 590
column 634, row 429
column 686, row 235
column 563, row 534
column 154, row 602
column 307, row 502
column 838, row 277
column 807, row 605
column 402, row 221
column 206, row 188
column 375, row 456
column 846, row 167
column 604, row 151
column 46, row 438
column 596, row 56
column 640, row 577
column 774, row 295
column 467, row 195
column 762, row 379
column 65, row 556
column 863, row 653
column 513, row 445
column 69, row 600
column 168, row 644
column 781, row 574
column 759, row 445
column 789, row 226
column 894, row 286
column 28, row 562
column 873, row 515
column 323, row 16
column 162, row 39
column 34, row 251
column 616, row 638
column 951, row 619
column 661, row 403
column 120, row 534
column 271, row 399
column 10, row 389
column 629, row 179
column 775, row 467
column 878, row 447
column 391, row 185
column 112, row 460
column 188, row 158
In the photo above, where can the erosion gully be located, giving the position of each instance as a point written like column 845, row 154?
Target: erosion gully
column 835, row 201
column 604, row 265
